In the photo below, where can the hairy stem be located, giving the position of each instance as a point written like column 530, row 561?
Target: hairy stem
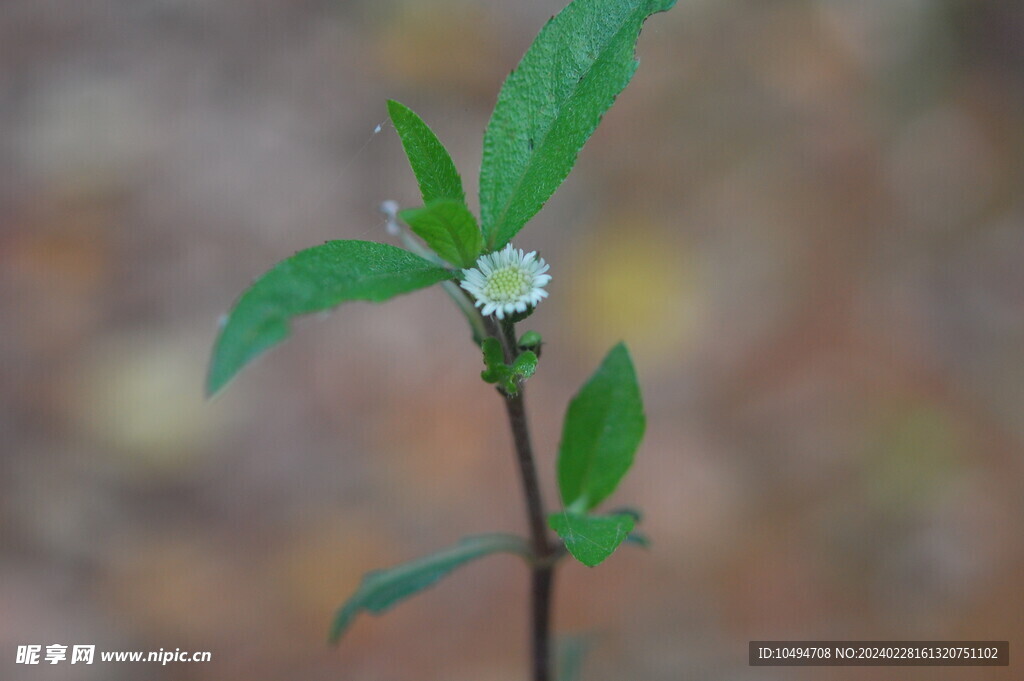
column 543, row 566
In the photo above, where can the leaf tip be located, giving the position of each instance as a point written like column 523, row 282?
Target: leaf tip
column 216, row 377
column 340, row 625
column 210, row 388
column 620, row 355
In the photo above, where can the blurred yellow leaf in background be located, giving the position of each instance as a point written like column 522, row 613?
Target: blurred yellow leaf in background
column 633, row 281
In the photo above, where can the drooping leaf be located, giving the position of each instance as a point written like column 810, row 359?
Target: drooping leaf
column 381, row 589
column 591, row 538
column 602, row 429
column 434, row 169
column 312, row 280
column 551, row 104
column 449, row 228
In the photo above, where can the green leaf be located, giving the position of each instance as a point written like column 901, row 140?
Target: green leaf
column 508, row 377
column 636, row 537
column 522, row 368
column 434, row 169
column 603, row 427
column 551, row 104
column 531, row 340
column 525, row 364
column 449, row 228
column 591, row 538
column 312, row 280
column 381, row 589
column 494, row 360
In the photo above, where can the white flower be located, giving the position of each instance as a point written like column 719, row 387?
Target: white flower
column 507, row 282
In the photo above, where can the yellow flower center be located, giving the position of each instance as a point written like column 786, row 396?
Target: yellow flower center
column 508, row 284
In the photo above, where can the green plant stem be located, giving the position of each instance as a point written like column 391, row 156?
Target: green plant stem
column 543, row 565
column 509, row 342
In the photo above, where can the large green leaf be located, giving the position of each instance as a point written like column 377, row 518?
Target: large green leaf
column 382, row 589
column 312, row 280
column 449, row 228
column 550, row 105
column 591, row 538
column 433, row 167
column 603, row 427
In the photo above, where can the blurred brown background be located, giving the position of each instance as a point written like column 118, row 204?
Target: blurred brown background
column 805, row 217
